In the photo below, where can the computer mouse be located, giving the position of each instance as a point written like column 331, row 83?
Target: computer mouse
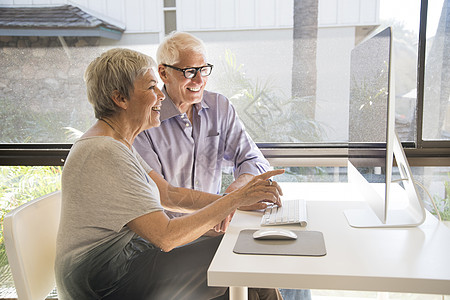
column 274, row 234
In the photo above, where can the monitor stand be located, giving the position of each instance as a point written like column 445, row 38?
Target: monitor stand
column 379, row 211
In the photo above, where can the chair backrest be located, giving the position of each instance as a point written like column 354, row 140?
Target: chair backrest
column 30, row 240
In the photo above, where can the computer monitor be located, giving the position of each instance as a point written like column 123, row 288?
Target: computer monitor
column 373, row 142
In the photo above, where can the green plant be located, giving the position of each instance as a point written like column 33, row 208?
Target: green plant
column 50, row 125
column 73, row 133
column 21, row 184
column 443, row 204
column 263, row 108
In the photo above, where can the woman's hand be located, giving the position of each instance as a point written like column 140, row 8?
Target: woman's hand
column 222, row 227
column 260, row 188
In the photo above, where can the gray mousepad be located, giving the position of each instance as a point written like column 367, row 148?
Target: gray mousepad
column 308, row 243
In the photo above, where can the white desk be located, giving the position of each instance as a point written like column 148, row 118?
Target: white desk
column 414, row 260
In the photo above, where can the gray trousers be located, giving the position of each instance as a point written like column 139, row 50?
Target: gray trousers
column 178, row 274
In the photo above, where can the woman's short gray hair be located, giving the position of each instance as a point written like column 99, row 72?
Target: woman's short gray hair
column 169, row 49
column 114, row 70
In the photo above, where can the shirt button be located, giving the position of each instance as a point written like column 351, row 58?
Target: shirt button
column 187, row 124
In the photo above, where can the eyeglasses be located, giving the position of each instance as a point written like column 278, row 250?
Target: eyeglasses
column 190, row 73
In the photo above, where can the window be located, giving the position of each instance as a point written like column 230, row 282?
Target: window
column 436, row 112
column 170, row 16
column 283, row 64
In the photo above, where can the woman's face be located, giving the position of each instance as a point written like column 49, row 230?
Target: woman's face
column 145, row 101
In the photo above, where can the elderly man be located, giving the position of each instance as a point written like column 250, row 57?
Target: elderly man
column 200, row 127
column 199, row 130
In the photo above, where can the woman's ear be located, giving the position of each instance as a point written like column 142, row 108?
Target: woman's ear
column 119, row 100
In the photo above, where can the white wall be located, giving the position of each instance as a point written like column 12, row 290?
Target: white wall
column 348, row 12
column 197, row 15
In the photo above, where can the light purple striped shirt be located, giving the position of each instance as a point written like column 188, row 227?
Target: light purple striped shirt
column 192, row 155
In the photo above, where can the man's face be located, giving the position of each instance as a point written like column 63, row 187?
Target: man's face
column 181, row 90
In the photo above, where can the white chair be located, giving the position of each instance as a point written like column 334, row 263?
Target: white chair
column 30, row 240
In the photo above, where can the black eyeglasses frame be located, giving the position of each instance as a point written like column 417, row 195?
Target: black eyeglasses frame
column 191, row 68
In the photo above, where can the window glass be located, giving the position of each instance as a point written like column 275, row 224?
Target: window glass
column 436, row 123
column 43, row 97
column 18, row 185
column 169, row 3
column 170, row 21
column 432, row 183
column 404, row 18
column 288, row 80
column 297, row 89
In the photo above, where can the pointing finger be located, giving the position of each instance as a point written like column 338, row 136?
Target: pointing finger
column 268, row 174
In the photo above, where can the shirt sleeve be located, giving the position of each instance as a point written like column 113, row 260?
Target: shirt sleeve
column 143, row 163
column 144, row 146
column 240, row 148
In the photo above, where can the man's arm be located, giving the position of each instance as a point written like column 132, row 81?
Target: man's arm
column 248, row 159
column 240, row 149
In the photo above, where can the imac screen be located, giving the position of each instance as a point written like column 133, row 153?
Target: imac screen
column 373, row 143
column 369, row 121
column 369, row 90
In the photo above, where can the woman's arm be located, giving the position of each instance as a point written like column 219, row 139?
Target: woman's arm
column 168, row 233
column 181, row 199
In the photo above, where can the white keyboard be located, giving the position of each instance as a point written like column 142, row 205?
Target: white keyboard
column 292, row 212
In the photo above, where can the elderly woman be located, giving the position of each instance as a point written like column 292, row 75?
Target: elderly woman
column 114, row 240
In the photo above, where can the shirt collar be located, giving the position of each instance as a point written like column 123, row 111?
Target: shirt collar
column 169, row 110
